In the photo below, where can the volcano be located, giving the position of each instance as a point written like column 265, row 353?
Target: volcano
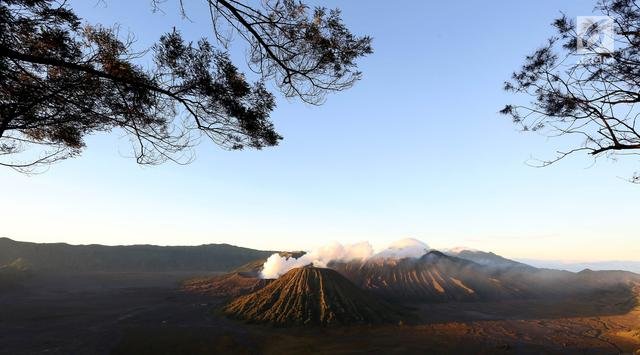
column 440, row 277
column 484, row 258
column 431, row 278
column 311, row 296
column 437, row 277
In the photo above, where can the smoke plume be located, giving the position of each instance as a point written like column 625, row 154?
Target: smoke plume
column 404, row 248
column 277, row 265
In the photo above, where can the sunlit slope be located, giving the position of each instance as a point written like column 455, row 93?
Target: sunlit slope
column 311, row 296
column 436, row 277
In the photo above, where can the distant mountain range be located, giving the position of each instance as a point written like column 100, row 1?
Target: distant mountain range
column 61, row 257
column 491, row 259
column 437, row 277
column 633, row 266
column 359, row 291
column 213, row 257
column 366, row 291
column 441, row 277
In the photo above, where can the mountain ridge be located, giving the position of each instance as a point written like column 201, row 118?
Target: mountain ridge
column 438, row 277
column 434, row 277
column 63, row 257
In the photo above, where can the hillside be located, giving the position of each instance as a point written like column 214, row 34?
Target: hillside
column 311, row 296
column 433, row 277
column 227, row 285
column 61, row 257
column 485, row 258
column 13, row 273
column 436, row 277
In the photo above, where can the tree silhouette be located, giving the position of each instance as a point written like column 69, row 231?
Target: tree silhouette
column 589, row 94
column 62, row 79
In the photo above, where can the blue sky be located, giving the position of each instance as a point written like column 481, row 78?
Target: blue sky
column 415, row 149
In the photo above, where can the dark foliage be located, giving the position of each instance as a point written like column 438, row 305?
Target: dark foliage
column 62, row 79
column 592, row 96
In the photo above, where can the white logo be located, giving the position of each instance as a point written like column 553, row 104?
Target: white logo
column 595, row 34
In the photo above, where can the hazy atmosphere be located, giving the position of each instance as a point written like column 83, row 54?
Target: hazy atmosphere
column 319, row 177
column 415, row 149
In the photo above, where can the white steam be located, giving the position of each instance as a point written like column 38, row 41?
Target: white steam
column 404, row 248
column 460, row 249
column 277, row 265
